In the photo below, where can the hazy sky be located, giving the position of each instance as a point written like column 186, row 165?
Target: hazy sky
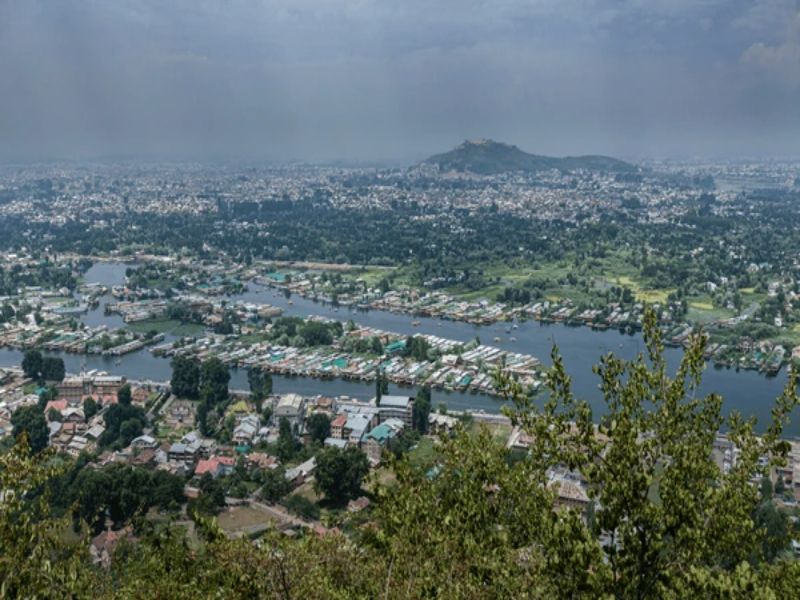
column 325, row 79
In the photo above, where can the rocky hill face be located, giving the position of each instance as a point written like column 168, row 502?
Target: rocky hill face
column 486, row 157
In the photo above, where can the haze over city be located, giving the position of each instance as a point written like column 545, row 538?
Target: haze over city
column 378, row 79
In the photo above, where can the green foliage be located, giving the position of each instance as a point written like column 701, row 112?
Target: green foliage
column 303, row 507
column 118, row 493
column 124, row 423
column 32, row 363
column 287, row 445
column 214, row 380
column 422, row 409
column 275, row 485
column 53, row 369
column 124, row 396
column 656, row 432
column 35, row 561
column 185, row 377
column 319, row 426
column 30, row 420
column 90, row 408
column 339, row 473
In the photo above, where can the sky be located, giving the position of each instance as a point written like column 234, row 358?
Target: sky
column 398, row 79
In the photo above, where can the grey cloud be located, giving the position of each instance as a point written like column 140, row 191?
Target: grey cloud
column 323, row 79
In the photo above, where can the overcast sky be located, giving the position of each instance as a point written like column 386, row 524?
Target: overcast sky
column 368, row 79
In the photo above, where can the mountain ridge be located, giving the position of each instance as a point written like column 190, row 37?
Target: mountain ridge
column 487, row 157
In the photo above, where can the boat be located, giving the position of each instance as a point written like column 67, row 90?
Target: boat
column 440, row 323
column 513, row 339
column 497, row 339
column 416, row 323
column 514, row 326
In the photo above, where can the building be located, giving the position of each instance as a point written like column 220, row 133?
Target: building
column 291, row 407
column 246, row 430
column 184, row 453
column 397, row 407
column 337, row 426
column 75, row 389
column 300, row 473
column 355, row 428
column 380, row 438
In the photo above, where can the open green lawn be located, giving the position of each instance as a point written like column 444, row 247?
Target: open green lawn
column 188, row 329
column 244, row 518
column 254, row 338
column 161, row 325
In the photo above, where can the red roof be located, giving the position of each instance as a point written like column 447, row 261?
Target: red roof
column 339, row 421
column 207, row 466
column 59, row 405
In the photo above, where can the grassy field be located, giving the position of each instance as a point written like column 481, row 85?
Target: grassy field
column 157, row 325
column 188, row 329
column 243, row 518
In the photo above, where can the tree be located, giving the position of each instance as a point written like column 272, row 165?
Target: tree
column 124, row 395
column 260, row 385
column 381, row 386
column 30, row 420
column 339, row 473
column 275, row 486
column 124, row 422
column 32, row 364
column 319, row 426
column 656, row 432
column 53, row 369
column 303, row 507
column 421, row 410
column 287, row 445
column 53, row 415
column 214, row 380
column 442, row 408
column 90, row 408
column 185, row 378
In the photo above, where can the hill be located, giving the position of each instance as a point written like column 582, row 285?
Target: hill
column 486, row 157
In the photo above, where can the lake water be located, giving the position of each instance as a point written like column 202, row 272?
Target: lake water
column 746, row 391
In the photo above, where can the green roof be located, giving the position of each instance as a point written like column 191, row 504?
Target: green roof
column 381, row 433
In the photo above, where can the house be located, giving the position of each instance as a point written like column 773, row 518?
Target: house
column 301, row 473
column 441, row 423
column 103, row 546
column 291, row 407
column 259, row 460
column 94, row 432
column 146, row 458
column 73, row 415
column 77, row 445
column 336, row 443
column 181, row 412
column 144, row 441
column 397, row 407
column 107, row 385
column 162, row 453
column 337, row 425
column 380, row 438
column 59, row 405
column 183, row 453
column 355, row 428
column 246, row 430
